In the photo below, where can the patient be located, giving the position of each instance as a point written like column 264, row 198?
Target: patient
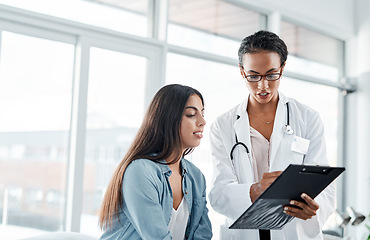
column 155, row 193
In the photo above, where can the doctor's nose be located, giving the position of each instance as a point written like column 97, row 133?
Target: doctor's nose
column 263, row 84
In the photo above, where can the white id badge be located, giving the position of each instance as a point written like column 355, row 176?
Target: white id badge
column 300, row 145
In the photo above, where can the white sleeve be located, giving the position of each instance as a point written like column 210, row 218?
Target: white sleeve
column 227, row 196
column 317, row 155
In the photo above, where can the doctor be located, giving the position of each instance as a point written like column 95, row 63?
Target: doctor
column 254, row 142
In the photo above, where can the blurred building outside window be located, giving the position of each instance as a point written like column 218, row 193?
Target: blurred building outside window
column 35, row 105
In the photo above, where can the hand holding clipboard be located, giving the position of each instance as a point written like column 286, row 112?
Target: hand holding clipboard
column 303, row 210
column 267, row 211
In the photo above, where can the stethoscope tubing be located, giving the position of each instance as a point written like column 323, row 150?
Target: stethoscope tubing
column 288, row 129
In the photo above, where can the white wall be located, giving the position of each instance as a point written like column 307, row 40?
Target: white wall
column 358, row 158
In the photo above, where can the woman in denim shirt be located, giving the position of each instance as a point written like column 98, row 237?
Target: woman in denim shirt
column 155, row 193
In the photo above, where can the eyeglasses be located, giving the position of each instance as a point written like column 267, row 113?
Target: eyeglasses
column 258, row 77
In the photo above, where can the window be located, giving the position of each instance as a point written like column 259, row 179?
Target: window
column 115, row 110
column 311, row 53
column 123, row 74
column 101, row 13
column 214, row 81
column 214, row 26
column 35, row 106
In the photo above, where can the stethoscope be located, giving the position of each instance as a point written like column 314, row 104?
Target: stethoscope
column 287, row 129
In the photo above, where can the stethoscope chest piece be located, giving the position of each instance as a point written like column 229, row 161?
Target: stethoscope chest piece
column 288, row 129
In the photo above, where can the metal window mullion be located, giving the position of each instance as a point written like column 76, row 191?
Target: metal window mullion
column 155, row 73
column 1, row 40
column 37, row 32
column 342, row 143
column 158, row 19
column 342, row 125
column 342, row 86
column 263, row 19
column 21, row 19
column 151, row 19
column 202, row 55
column 77, row 138
column 274, row 22
column 157, row 61
column 341, row 59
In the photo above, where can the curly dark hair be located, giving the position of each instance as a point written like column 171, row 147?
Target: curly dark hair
column 263, row 41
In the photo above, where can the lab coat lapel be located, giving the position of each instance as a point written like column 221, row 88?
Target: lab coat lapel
column 241, row 127
column 279, row 123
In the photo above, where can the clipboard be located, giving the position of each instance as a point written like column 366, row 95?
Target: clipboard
column 267, row 211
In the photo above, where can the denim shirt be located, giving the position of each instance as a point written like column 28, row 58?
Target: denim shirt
column 148, row 203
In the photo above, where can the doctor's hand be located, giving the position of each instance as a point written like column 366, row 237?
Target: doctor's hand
column 259, row 187
column 303, row 210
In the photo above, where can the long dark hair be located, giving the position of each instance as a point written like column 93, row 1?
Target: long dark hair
column 158, row 138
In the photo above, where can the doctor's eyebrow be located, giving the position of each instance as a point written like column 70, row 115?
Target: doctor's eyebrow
column 272, row 69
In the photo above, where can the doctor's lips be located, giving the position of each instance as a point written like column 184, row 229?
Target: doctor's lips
column 263, row 94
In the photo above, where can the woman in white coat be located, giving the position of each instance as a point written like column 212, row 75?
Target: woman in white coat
column 277, row 131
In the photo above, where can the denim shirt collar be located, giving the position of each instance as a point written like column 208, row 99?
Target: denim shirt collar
column 167, row 171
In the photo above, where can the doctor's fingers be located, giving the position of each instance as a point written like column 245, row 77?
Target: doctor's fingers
column 268, row 179
column 273, row 175
column 303, row 214
column 313, row 205
column 307, row 211
column 265, row 183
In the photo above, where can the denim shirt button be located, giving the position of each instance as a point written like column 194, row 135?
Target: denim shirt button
column 186, row 192
column 186, row 236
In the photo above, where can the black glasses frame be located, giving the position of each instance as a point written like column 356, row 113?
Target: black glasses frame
column 260, row 76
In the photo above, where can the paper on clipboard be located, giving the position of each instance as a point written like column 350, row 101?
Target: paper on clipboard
column 267, row 211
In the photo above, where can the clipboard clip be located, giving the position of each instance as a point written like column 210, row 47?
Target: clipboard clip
column 309, row 170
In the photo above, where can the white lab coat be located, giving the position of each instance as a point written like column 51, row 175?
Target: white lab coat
column 229, row 194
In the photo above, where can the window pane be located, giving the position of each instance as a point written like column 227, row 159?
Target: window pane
column 311, row 53
column 35, row 105
column 214, row 26
column 115, row 111
column 324, row 100
column 222, row 88
column 102, row 13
